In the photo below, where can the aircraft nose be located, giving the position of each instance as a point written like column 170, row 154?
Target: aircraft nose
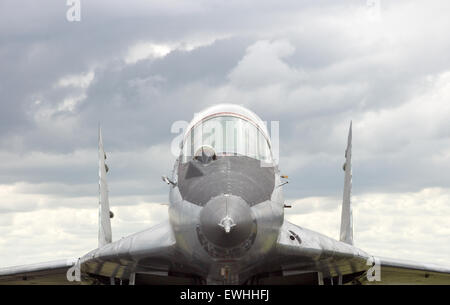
column 226, row 220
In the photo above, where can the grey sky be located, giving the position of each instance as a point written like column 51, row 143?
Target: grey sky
column 138, row 66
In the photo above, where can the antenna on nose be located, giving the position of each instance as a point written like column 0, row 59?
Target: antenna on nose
column 227, row 222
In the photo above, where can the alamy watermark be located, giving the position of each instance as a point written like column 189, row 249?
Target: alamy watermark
column 74, row 11
column 374, row 272
column 73, row 274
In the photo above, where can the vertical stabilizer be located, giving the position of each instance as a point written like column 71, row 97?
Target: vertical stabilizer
column 346, row 234
column 104, row 221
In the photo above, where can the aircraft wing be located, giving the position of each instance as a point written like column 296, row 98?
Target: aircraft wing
column 301, row 254
column 147, row 257
column 47, row 273
column 395, row 271
column 144, row 257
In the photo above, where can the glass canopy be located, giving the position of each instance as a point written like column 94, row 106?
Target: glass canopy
column 228, row 135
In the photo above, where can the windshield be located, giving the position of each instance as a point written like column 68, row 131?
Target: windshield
column 228, row 136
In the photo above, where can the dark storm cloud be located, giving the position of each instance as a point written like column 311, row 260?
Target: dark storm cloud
column 130, row 99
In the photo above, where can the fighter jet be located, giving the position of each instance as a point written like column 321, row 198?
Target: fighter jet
column 226, row 224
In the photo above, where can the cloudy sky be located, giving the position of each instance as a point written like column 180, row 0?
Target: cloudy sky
column 138, row 66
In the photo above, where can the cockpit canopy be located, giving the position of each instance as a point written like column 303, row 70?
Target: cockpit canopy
column 227, row 134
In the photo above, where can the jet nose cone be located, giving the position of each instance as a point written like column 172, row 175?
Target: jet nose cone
column 226, row 221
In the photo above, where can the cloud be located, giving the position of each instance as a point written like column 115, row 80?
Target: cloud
column 68, row 231
column 262, row 66
column 142, row 51
column 81, row 80
column 404, row 226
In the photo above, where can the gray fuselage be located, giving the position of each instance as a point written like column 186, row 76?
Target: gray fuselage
column 211, row 192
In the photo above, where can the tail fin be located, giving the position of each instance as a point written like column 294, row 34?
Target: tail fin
column 104, row 221
column 346, row 234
